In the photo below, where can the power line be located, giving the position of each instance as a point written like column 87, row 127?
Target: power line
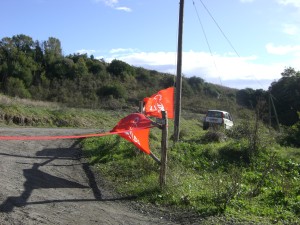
column 206, row 39
column 223, row 33
column 220, row 28
column 203, row 29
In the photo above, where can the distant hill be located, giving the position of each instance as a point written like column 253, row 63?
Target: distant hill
column 38, row 70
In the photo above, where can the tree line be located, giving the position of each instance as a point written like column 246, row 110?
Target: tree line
column 38, row 70
column 282, row 99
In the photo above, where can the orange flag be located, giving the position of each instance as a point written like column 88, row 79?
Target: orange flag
column 161, row 101
column 136, row 129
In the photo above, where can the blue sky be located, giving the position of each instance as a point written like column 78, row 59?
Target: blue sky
column 262, row 37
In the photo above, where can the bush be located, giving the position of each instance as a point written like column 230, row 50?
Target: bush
column 239, row 131
column 213, row 136
column 235, row 152
column 16, row 88
column 291, row 135
column 116, row 91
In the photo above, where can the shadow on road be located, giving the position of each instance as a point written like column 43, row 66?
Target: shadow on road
column 37, row 179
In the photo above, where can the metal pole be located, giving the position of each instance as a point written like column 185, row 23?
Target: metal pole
column 179, row 76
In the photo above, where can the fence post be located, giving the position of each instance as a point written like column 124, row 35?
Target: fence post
column 141, row 106
column 164, row 148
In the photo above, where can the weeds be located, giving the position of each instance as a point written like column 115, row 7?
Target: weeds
column 240, row 174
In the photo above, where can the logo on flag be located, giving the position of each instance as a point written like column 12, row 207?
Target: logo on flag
column 161, row 101
column 136, row 129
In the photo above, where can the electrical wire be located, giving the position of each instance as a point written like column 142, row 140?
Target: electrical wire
column 206, row 39
column 229, row 42
column 224, row 35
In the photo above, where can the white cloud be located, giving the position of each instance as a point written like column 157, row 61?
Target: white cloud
column 295, row 3
column 126, row 9
column 160, row 61
column 290, row 29
column 217, row 68
column 246, row 1
column 86, row 51
column 283, row 49
column 227, row 67
column 113, row 4
column 121, row 50
column 107, row 2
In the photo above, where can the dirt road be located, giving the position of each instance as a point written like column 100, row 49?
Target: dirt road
column 46, row 182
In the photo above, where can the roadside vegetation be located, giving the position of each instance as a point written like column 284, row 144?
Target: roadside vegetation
column 25, row 112
column 248, row 174
column 244, row 174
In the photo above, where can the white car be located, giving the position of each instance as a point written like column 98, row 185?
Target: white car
column 217, row 118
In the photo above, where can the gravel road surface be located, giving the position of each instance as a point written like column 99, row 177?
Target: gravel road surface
column 46, row 182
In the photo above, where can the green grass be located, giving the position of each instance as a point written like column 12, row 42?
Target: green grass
column 236, row 176
column 20, row 112
column 243, row 174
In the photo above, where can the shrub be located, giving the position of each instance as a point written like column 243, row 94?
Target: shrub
column 213, row 136
column 291, row 135
column 16, row 88
column 235, row 152
column 239, row 131
column 116, row 91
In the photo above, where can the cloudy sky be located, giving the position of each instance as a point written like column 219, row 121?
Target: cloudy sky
column 235, row 43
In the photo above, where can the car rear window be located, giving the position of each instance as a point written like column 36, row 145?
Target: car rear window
column 215, row 114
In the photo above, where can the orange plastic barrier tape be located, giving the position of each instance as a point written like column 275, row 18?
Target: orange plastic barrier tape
column 36, row 138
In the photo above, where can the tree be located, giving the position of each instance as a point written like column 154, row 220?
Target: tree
column 24, row 43
column 17, row 59
column 63, row 68
column 8, row 53
column 196, row 83
column 80, row 68
column 289, row 72
column 95, row 66
column 286, row 93
column 120, row 69
column 16, row 87
column 40, row 67
column 250, row 98
column 116, row 91
column 52, row 47
column 52, row 53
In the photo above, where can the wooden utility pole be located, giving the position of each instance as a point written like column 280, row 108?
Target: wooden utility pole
column 164, row 148
column 275, row 112
column 178, row 76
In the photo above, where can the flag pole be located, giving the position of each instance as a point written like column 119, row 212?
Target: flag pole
column 155, row 158
column 178, row 76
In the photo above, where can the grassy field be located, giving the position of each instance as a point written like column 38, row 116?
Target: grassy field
column 21, row 112
column 242, row 175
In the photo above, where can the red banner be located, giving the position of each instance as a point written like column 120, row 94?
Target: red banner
column 161, row 101
column 137, row 127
